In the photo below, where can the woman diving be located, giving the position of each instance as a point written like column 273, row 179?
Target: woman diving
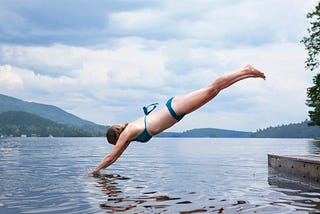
column 176, row 108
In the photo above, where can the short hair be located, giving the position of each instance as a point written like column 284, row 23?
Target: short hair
column 114, row 132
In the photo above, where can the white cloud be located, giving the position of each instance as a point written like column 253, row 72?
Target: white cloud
column 99, row 77
column 227, row 22
column 53, row 60
column 125, row 65
column 168, row 49
column 9, row 80
column 129, row 77
column 281, row 99
column 30, row 82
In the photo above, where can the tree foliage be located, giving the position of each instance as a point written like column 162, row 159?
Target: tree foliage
column 313, row 101
column 294, row 130
column 17, row 123
column 312, row 45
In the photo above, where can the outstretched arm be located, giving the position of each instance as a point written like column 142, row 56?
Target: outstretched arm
column 121, row 145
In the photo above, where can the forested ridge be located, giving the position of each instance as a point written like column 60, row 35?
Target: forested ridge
column 293, row 130
column 17, row 123
column 208, row 132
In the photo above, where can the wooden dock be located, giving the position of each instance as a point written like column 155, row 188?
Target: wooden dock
column 299, row 168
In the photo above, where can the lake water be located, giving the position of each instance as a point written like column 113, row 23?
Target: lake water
column 166, row 175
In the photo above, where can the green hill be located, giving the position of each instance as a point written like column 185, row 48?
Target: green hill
column 294, row 130
column 23, row 119
column 17, row 123
column 46, row 111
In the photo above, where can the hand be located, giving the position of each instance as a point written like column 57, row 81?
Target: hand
column 92, row 173
column 95, row 174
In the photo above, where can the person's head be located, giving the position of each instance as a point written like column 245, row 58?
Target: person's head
column 114, row 132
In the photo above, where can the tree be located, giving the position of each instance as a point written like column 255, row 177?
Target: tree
column 314, row 101
column 312, row 45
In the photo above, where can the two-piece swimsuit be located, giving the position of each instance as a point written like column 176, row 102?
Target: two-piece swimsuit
column 144, row 136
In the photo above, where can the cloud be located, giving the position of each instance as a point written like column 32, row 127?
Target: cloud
column 100, row 77
column 68, row 22
column 242, row 22
column 117, row 82
column 227, row 22
column 281, row 99
column 122, row 66
column 30, row 82
column 40, row 58
column 9, row 80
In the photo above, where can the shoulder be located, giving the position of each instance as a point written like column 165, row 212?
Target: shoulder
column 132, row 131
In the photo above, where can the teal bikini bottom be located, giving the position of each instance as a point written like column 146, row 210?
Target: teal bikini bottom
column 172, row 112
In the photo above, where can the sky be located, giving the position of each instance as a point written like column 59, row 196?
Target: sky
column 104, row 60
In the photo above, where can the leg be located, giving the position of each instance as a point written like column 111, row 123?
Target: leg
column 194, row 100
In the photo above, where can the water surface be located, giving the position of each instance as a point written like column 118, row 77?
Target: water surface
column 166, row 175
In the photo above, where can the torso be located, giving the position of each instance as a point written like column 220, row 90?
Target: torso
column 155, row 122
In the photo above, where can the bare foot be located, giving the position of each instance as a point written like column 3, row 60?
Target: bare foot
column 254, row 72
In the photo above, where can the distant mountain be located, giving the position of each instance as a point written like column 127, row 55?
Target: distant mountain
column 294, row 130
column 17, row 123
column 207, row 132
column 46, row 111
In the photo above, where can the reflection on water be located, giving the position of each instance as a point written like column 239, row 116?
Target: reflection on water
column 119, row 201
column 314, row 147
column 41, row 175
column 302, row 196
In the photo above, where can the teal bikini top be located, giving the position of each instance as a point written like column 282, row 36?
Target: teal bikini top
column 144, row 136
